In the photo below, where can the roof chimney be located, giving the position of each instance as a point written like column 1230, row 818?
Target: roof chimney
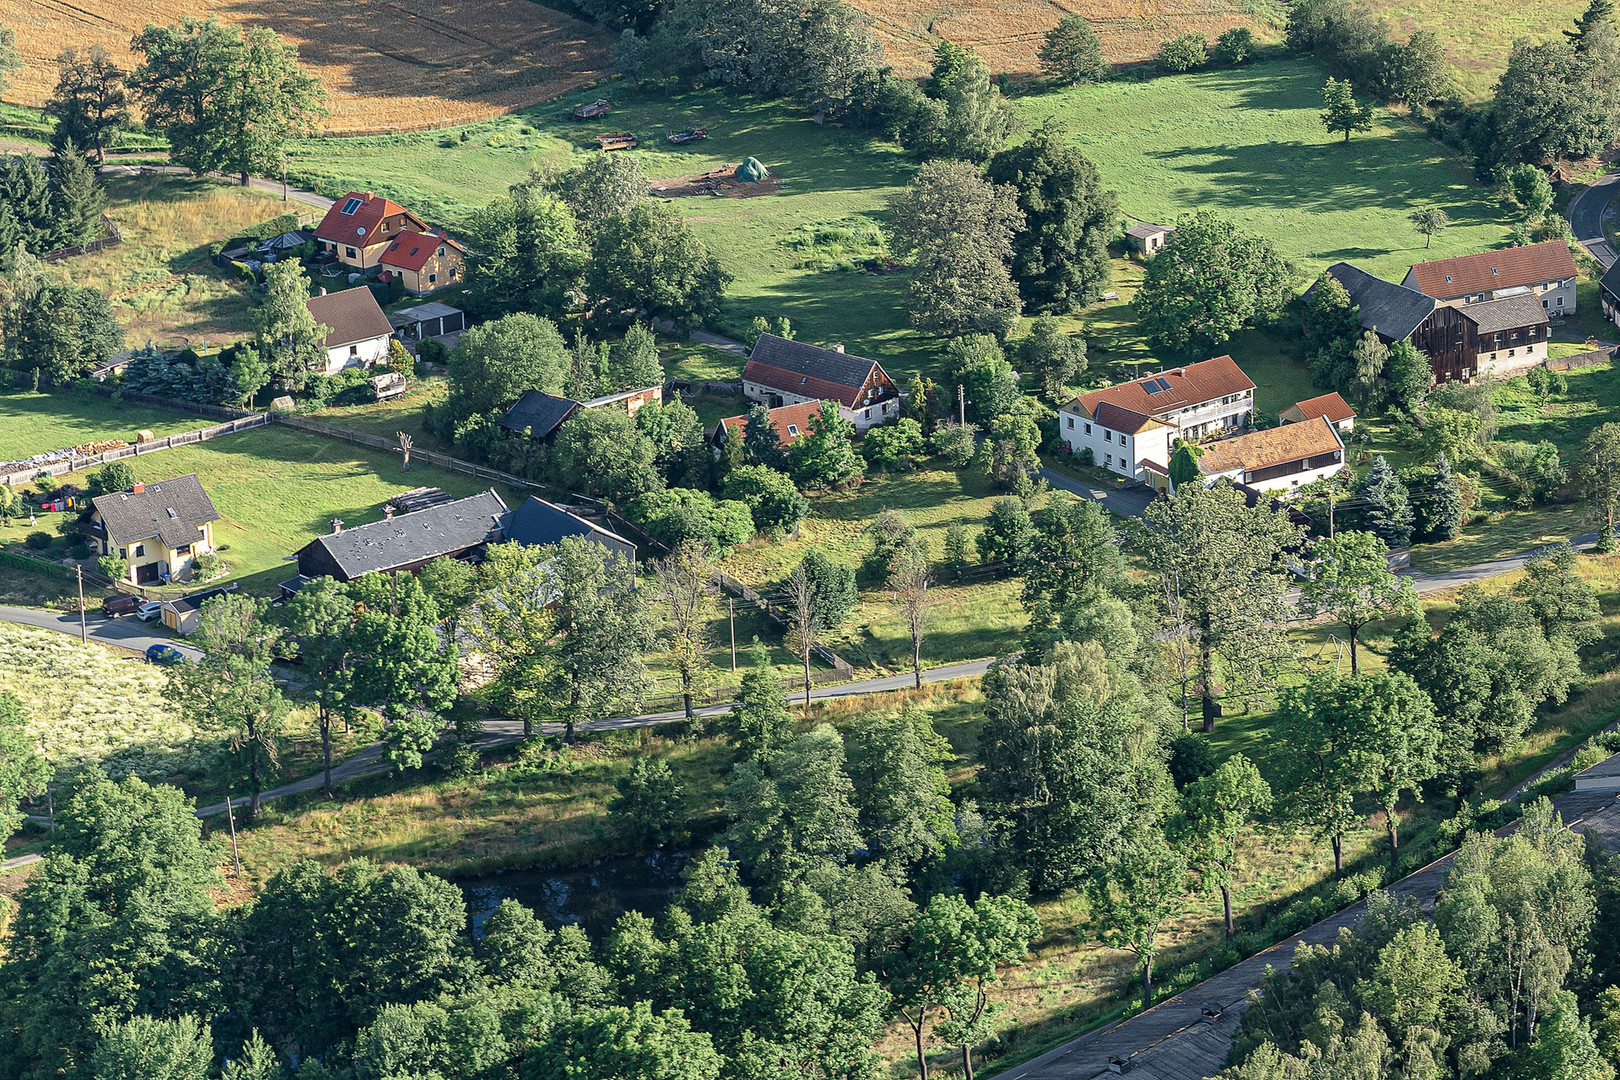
column 388, row 512
column 838, row 347
column 337, row 526
column 137, row 489
column 322, row 291
column 370, row 196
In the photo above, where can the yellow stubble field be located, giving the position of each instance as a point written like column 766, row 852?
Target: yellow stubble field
column 389, row 65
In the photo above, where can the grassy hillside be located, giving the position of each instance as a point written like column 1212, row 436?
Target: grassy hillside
column 1247, row 144
column 1478, row 37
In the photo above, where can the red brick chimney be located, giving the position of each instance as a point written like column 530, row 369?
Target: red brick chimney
column 137, row 489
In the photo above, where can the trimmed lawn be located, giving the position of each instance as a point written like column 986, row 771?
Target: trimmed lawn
column 34, row 423
column 162, row 284
column 277, row 489
column 1248, row 144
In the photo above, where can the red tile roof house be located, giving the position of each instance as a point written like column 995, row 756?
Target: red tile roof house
column 426, row 261
column 1545, row 271
column 1330, row 406
column 782, row 372
column 792, row 422
column 1131, row 428
column 359, row 228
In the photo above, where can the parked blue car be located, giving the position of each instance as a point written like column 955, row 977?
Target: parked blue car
column 167, row 655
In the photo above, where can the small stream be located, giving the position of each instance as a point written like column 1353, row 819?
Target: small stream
column 592, row 898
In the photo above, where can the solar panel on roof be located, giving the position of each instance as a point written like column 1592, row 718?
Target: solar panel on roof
column 1155, row 386
column 350, row 207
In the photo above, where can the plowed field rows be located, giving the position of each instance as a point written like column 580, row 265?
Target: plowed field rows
column 390, row 65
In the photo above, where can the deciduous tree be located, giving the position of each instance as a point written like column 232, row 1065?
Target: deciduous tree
column 1072, row 53
column 527, row 255
column 1217, row 809
column 1053, row 359
column 90, row 103
column 1599, row 472
column 1429, row 222
column 647, row 264
column 685, row 581
column 1341, row 111
column 1350, row 580
column 1210, row 282
column 1135, row 894
column 958, row 229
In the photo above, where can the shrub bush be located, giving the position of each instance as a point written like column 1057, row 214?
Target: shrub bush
column 1184, row 52
column 81, row 550
column 1235, row 46
column 37, row 541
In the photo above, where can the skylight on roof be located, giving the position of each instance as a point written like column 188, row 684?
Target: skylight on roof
column 351, row 206
column 1156, row 386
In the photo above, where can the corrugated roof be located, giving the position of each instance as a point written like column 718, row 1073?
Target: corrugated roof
column 1331, row 405
column 1508, row 313
column 1171, row 390
column 407, row 539
column 537, row 413
column 171, row 510
column 423, row 312
column 792, row 422
column 1528, row 264
column 1386, row 308
column 1274, row 446
column 352, row 315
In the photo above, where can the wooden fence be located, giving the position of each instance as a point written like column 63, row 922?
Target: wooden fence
column 114, row 237
column 75, row 462
column 841, row 668
column 379, row 442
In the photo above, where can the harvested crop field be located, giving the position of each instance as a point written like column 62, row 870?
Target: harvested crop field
column 390, row 65
column 1008, row 33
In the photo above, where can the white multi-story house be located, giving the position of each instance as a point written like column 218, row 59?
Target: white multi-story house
column 1131, row 428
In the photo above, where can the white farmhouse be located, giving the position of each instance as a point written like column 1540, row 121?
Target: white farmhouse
column 782, row 372
column 357, row 330
column 1131, row 428
column 1278, row 459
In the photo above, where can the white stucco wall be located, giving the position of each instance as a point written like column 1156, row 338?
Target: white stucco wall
column 368, row 352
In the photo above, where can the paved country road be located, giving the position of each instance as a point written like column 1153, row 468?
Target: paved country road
column 126, row 632
column 1586, row 213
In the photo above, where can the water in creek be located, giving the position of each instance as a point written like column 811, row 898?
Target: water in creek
column 592, row 898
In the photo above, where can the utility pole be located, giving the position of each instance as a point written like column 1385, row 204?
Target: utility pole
column 84, row 633
column 961, row 404
column 1330, row 511
column 230, row 817
column 731, row 617
column 50, row 806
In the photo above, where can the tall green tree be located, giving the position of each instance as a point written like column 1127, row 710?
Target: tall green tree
column 1386, row 506
column 145, row 1048
column 9, row 60
column 793, row 811
column 615, row 1041
column 606, row 628
column 1053, row 359
column 230, row 691
column 1340, row 110
column 1225, row 561
column 1209, row 283
column 1074, row 558
column 24, row 772
column 760, row 721
column 896, row 763
column 527, row 255
column 1216, row 810
column 227, row 98
column 289, row 339
column 964, row 115
column 647, row 264
column 825, row 457
column 120, row 920
column 90, row 103
column 950, row 962
column 1599, row 473
column 76, row 199
column 685, row 580
column 402, row 668
column 1409, row 376
column 602, row 186
column 320, row 621
column 1546, row 106
column 495, row 362
column 61, row 330
column 1429, row 221
column 1060, row 256
column 1133, row 897
column 1351, row 581
column 1072, row 53
column 958, row 229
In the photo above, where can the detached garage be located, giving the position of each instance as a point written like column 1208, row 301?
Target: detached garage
column 428, row 320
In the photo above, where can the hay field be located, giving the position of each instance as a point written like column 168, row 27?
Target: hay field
column 390, row 65
column 1008, row 33
column 1479, row 36
column 88, row 705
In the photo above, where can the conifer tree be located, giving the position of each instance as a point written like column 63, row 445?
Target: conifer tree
column 76, row 201
column 1387, row 508
column 1442, row 507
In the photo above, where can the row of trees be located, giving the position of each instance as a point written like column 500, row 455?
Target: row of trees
column 47, row 205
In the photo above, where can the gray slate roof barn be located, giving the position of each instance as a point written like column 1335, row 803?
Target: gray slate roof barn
column 405, row 541
column 171, row 510
column 1508, row 313
column 1390, row 310
column 538, row 414
column 538, row 522
column 833, row 365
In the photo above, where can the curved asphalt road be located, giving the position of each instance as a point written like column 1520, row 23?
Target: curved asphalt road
column 1586, row 212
